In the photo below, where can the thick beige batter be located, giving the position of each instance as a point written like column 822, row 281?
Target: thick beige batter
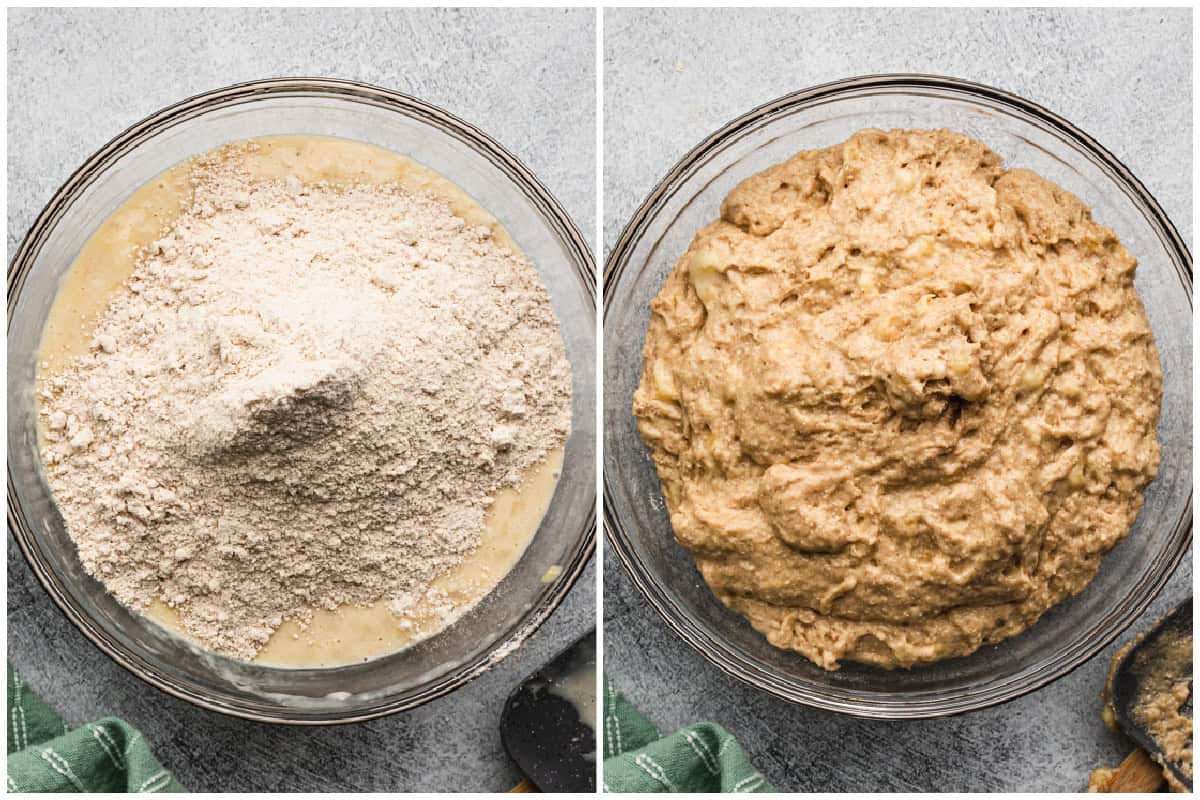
column 901, row 400
column 350, row 633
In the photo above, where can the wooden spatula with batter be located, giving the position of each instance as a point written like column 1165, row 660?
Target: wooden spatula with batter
column 1148, row 696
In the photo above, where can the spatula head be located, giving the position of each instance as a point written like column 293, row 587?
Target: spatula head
column 549, row 723
column 1158, row 659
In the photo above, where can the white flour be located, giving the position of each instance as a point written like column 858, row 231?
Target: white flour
column 307, row 398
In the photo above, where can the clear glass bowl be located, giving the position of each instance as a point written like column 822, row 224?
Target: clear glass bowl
column 502, row 185
column 690, row 196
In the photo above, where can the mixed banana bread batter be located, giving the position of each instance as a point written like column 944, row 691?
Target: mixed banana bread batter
column 901, row 399
column 302, row 400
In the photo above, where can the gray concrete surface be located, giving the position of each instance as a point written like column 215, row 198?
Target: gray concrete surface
column 76, row 78
column 671, row 77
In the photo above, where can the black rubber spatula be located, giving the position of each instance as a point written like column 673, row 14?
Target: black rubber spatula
column 549, row 723
column 1160, row 656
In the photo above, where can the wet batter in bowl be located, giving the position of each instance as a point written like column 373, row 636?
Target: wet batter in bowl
column 901, row 399
column 302, row 400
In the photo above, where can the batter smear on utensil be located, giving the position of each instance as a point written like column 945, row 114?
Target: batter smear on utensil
column 306, row 396
column 901, row 399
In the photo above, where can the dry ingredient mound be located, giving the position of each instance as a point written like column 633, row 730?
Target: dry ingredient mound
column 307, row 397
column 901, row 399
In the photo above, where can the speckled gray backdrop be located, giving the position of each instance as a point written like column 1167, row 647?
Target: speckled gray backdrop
column 77, row 78
column 671, row 78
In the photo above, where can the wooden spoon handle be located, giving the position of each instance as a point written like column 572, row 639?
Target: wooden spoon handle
column 1137, row 773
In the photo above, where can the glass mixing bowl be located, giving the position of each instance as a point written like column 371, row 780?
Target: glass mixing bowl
column 502, row 185
column 690, row 196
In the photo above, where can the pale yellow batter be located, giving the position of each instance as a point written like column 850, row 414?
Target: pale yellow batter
column 348, row 634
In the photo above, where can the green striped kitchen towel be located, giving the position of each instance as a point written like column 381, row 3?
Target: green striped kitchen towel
column 44, row 755
column 702, row 757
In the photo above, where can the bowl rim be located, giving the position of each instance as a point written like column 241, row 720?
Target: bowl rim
column 521, row 176
column 730, row 659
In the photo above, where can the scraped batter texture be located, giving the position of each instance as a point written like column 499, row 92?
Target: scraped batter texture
column 1161, row 707
column 901, row 400
column 1166, row 670
column 307, row 396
